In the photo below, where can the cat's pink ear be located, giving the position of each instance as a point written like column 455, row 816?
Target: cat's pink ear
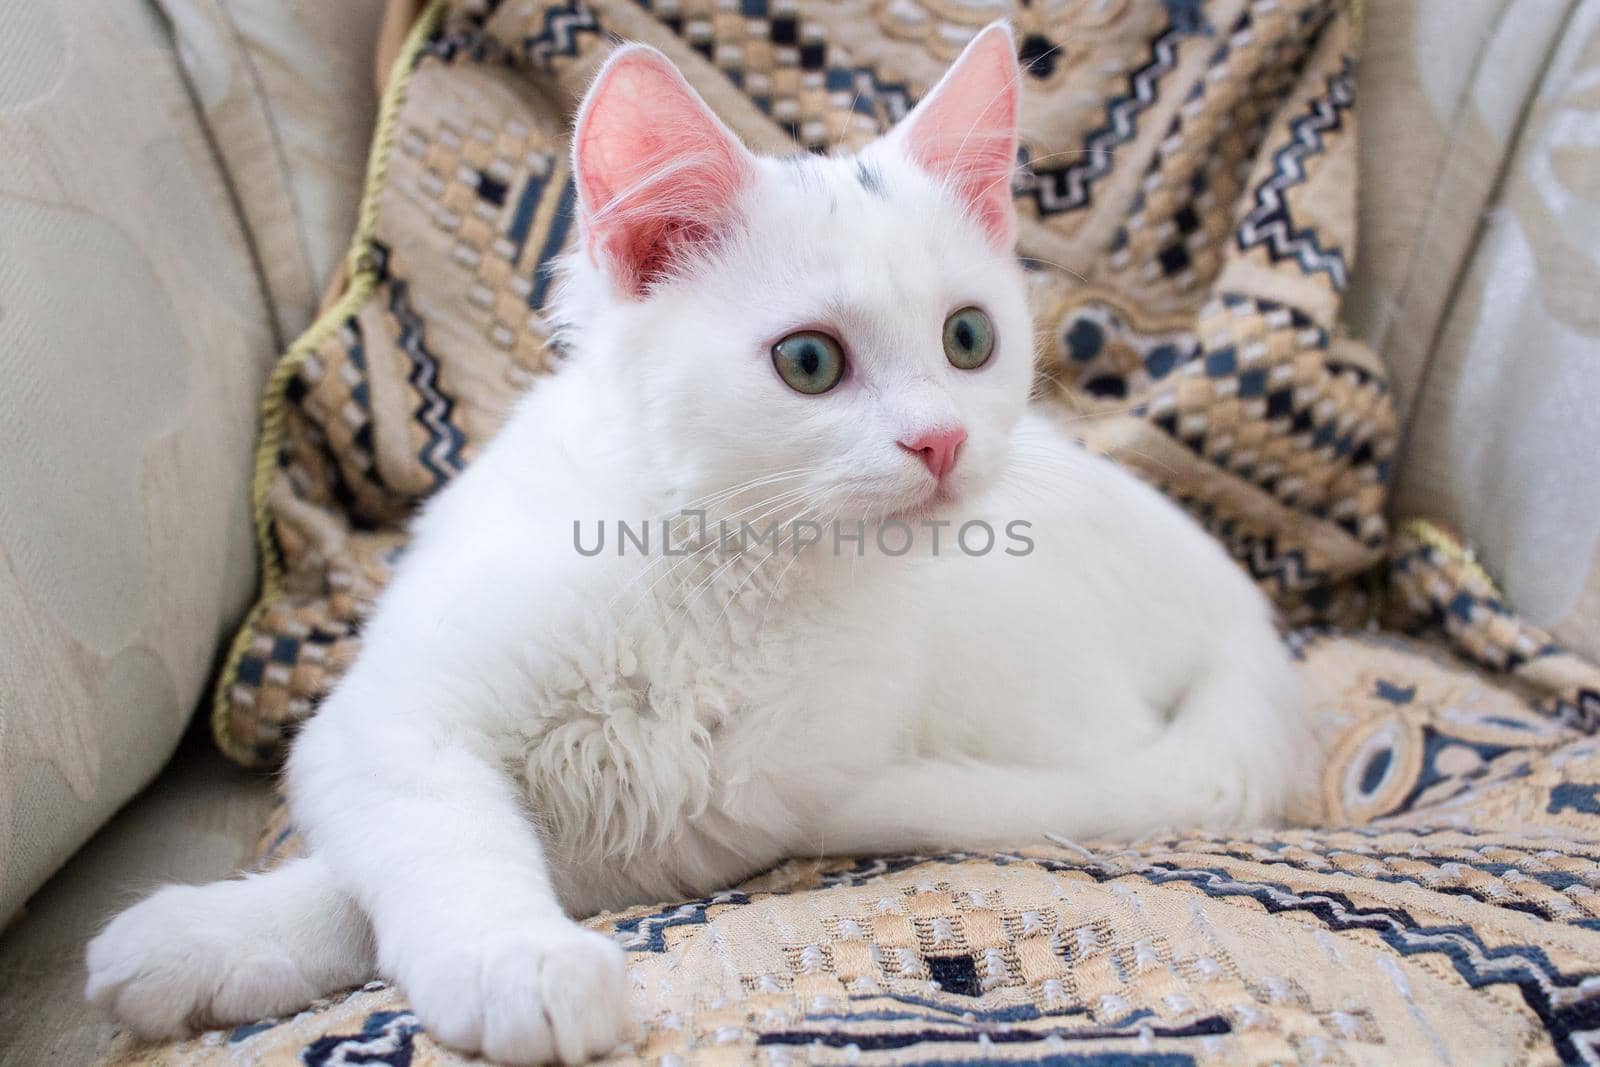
column 657, row 173
column 964, row 132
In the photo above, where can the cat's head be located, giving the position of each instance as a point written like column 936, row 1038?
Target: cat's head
column 845, row 334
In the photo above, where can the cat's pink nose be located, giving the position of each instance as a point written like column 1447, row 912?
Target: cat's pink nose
column 937, row 449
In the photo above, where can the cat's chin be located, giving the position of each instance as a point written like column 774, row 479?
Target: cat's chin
column 933, row 505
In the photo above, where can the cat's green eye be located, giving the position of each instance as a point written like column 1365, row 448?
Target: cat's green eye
column 968, row 338
column 810, row 362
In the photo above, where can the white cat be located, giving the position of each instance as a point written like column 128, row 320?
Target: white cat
column 534, row 732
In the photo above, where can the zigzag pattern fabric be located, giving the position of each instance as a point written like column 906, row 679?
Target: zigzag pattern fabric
column 1187, row 203
column 1057, row 190
column 1270, row 223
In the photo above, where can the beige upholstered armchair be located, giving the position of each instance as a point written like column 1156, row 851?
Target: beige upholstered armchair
column 179, row 181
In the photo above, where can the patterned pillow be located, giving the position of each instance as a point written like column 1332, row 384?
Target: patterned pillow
column 1187, row 202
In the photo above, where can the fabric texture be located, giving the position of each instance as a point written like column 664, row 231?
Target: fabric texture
column 288, row 93
column 200, row 820
column 1504, row 430
column 134, row 342
column 1187, row 206
column 1454, row 80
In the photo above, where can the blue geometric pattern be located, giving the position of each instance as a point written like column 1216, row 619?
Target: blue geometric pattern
column 1269, row 225
column 1566, row 1002
column 1268, row 562
column 1059, row 189
column 782, row 27
column 1581, row 797
column 353, row 458
column 1306, row 417
column 561, row 33
column 442, row 454
column 558, row 34
column 386, row 1037
column 1580, row 709
column 888, row 101
column 833, row 1037
column 555, row 239
column 648, row 933
column 1282, row 855
column 462, row 37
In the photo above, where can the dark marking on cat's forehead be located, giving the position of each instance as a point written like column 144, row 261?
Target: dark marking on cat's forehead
column 806, row 170
column 802, row 166
column 871, row 179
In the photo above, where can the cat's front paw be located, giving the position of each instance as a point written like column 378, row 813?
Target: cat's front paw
column 182, row 961
column 546, row 993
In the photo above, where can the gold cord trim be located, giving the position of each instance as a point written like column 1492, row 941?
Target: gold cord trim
column 1448, row 545
column 361, row 270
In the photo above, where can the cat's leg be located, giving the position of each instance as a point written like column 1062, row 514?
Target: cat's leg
column 191, row 957
column 1236, row 753
column 427, row 831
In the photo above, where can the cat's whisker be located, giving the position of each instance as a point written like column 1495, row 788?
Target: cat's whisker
column 698, row 555
column 679, row 514
column 745, row 581
column 1046, row 54
column 1070, row 418
column 694, row 595
column 759, row 479
column 1013, row 84
column 705, row 503
column 699, row 590
column 692, row 558
column 1035, row 160
column 776, row 548
column 778, row 583
column 849, row 118
column 1062, row 267
column 1151, row 461
column 1020, row 257
column 710, row 499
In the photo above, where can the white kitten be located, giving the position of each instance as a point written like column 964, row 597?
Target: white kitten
column 532, row 732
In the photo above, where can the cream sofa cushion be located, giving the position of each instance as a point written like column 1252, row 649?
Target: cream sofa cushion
column 1442, row 86
column 289, row 92
column 1505, row 438
column 1478, row 271
column 199, row 821
column 134, row 342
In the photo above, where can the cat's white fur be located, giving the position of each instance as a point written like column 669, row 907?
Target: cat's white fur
column 532, row 734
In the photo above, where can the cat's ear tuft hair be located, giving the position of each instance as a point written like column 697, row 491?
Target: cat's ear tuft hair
column 657, row 173
column 964, row 132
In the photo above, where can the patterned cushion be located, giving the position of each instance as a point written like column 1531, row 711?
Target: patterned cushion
column 1187, row 206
